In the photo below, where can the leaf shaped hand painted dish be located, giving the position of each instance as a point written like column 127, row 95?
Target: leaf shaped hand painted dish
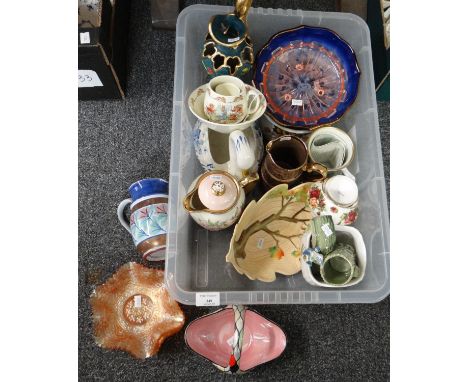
column 267, row 238
column 308, row 75
column 133, row 311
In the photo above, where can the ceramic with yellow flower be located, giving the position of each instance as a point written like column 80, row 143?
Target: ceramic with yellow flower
column 336, row 196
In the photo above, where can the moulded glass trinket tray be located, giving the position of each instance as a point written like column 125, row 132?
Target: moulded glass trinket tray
column 196, row 258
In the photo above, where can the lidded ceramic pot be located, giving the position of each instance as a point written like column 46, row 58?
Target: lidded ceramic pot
column 216, row 199
column 336, row 196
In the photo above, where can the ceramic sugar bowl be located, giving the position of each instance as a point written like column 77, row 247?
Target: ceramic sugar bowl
column 336, row 196
column 216, row 199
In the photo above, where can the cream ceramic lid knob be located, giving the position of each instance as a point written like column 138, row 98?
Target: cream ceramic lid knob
column 342, row 189
column 218, row 192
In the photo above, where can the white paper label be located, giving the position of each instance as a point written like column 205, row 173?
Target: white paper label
column 260, row 243
column 88, row 79
column 296, row 102
column 233, row 39
column 137, row 301
column 207, row 299
column 84, row 38
column 327, row 230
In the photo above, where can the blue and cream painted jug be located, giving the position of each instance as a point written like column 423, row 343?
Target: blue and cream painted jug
column 148, row 217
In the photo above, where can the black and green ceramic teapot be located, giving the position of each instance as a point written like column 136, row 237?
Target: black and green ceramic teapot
column 227, row 49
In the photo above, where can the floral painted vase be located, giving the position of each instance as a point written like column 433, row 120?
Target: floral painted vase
column 336, row 196
column 148, row 217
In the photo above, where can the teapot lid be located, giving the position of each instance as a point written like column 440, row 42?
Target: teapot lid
column 218, row 191
column 342, row 190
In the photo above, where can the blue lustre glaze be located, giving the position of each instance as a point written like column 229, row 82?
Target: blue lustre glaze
column 309, row 76
column 146, row 187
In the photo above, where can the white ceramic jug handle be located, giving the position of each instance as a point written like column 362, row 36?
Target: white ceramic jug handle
column 255, row 99
column 121, row 215
column 347, row 173
column 245, row 157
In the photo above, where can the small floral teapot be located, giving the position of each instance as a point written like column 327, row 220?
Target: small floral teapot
column 216, row 199
column 336, row 196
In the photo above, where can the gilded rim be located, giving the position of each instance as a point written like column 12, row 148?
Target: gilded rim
column 329, row 123
column 188, row 197
column 269, row 144
column 233, row 44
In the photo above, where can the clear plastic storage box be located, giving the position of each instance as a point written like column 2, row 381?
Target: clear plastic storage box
column 195, row 258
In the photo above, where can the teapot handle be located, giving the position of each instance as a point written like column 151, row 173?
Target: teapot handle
column 242, row 8
column 248, row 181
column 348, row 173
column 317, row 168
column 120, row 214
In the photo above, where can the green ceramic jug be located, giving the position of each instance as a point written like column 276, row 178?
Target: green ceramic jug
column 323, row 233
column 339, row 266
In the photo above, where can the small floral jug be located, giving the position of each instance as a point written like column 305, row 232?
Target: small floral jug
column 216, row 199
column 148, row 217
column 336, row 196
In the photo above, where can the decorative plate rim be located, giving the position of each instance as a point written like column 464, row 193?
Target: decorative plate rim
column 308, row 27
column 258, row 114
